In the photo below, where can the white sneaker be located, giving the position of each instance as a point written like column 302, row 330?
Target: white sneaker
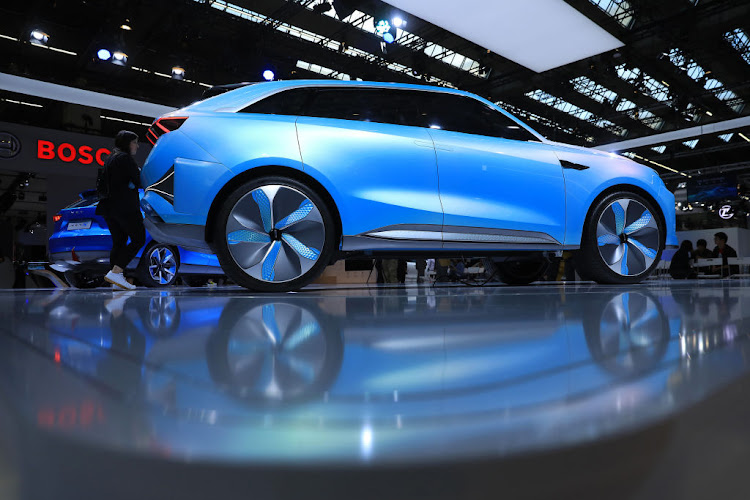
column 119, row 280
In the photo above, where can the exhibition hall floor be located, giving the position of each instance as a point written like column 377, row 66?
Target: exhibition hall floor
column 547, row 391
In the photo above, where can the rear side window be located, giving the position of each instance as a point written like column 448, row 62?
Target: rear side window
column 368, row 105
column 464, row 114
column 288, row 102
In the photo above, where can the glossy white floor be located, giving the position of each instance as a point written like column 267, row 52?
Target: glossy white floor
column 412, row 390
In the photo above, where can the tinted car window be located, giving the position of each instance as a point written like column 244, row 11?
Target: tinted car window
column 370, row 105
column 287, row 102
column 464, row 114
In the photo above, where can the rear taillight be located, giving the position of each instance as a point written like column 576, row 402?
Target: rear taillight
column 164, row 126
column 56, row 217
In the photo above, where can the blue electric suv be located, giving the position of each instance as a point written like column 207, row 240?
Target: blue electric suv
column 80, row 244
column 282, row 178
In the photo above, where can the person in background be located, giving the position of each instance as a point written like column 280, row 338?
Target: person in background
column 724, row 252
column 701, row 250
column 119, row 204
column 680, row 268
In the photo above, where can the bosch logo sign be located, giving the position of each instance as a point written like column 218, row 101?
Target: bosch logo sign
column 48, row 150
column 10, row 146
column 725, row 212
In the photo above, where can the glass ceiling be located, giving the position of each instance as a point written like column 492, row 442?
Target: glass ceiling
column 573, row 110
column 620, row 10
column 739, row 40
column 366, row 22
column 599, row 93
column 700, row 76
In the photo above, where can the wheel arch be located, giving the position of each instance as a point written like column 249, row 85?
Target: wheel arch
column 623, row 187
column 256, row 172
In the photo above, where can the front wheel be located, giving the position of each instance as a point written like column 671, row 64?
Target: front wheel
column 274, row 234
column 623, row 240
column 158, row 265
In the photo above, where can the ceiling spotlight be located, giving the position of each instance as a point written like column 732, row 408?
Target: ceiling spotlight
column 388, row 37
column 382, row 27
column 126, row 25
column 268, row 75
column 120, row 58
column 178, row 73
column 398, row 22
column 39, row 37
column 103, row 54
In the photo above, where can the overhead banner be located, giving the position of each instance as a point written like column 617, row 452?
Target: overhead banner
column 55, row 152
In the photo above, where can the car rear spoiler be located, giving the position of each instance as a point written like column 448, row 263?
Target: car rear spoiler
column 220, row 89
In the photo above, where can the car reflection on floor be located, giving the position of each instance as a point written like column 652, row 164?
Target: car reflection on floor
column 388, row 375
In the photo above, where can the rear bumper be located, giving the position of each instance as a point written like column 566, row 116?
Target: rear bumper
column 189, row 236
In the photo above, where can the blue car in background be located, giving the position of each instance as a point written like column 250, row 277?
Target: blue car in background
column 80, row 246
column 280, row 179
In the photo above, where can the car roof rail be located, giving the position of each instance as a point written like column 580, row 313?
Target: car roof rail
column 220, row 89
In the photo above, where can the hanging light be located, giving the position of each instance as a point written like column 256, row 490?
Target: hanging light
column 268, row 75
column 103, row 54
column 178, row 73
column 120, row 58
column 39, row 37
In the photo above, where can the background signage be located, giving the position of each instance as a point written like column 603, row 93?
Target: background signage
column 55, row 152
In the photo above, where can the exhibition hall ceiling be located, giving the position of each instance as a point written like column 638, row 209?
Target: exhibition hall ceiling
column 587, row 72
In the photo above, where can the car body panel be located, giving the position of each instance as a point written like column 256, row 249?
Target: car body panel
column 488, row 182
column 384, row 174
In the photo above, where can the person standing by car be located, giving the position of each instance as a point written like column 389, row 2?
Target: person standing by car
column 701, row 250
column 117, row 185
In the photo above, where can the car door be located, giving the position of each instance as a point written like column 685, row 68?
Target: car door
column 498, row 182
column 381, row 170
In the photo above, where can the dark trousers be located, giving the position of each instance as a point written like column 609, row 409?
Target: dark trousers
column 122, row 226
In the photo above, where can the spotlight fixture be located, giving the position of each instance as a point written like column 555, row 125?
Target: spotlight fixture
column 382, row 27
column 178, row 73
column 268, row 75
column 39, row 37
column 120, row 58
column 398, row 22
column 126, row 25
column 103, row 54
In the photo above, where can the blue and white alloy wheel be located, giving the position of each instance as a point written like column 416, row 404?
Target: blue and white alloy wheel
column 275, row 233
column 162, row 265
column 628, row 237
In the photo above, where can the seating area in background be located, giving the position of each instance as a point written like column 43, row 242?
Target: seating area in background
column 738, row 267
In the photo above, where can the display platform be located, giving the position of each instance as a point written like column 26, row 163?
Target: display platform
column 549, row 391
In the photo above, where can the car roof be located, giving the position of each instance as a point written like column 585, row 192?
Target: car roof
column 239, row 97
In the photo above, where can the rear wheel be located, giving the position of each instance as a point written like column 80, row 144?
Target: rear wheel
column 158, row 265
column 274, row 234
column 623, row 240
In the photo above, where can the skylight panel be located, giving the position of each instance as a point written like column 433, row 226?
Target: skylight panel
column 593, row 90
column 646, row 117
column 700, row 75
column 620, row 10
column 659, row 149
column 643, row 82
column 740, row 41
column 573, row 110
column 691, row 144
column 726, row 137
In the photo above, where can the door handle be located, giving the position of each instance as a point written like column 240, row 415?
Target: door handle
column 424, row 144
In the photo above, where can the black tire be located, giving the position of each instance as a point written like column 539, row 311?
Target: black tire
column 152, row 254
column 521, row 272
column 590, row 256
column 324, row 229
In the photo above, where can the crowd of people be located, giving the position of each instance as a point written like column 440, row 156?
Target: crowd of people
column 686, row 262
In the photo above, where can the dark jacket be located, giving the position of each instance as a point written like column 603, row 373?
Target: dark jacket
column 124, row 181
column 680, row 265
column 728, row 252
